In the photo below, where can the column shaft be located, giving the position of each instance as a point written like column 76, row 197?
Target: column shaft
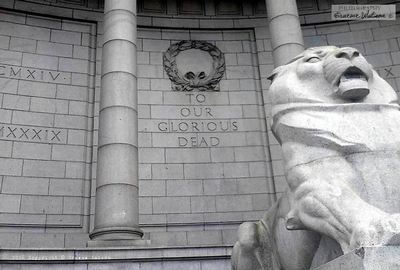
column 285, row 30
column 117, row 202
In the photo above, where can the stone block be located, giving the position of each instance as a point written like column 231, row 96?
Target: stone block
column 144, row 140
column 42, row 168
column 75, row 170
column 159, row 84
column 220, row 187
column 381, row 46
column 40, row 61
column 152, row 188
column 236, row 170
column 379, row 60
column 168, row 238
column 31, row 150
column 12, row 167
column 81, row 52
column 388, row 32
column 332, row 28
column 201, row 238
column 76, row 240
column 145, row 171
column 313, row 41
column 185, row 218
column 164, row 205
column 395, row 57
column 221, row 217
column 239, row 72
column 234, row 203
column 10, row 203
column 73, row 65
column 146, row 205
column 78, row 108
column 49, row 105
column 229, row 237
column 63, row 220
column 16, row 102
column 156, row 58
column 155, row 45
column 23, row 45
column 148, row 71
column 147, row 97
column 72, row 92
column 188, row 155
column 8, row 85
column 231, row 59
column 175, row 35
column 143, row 58
column 258, row 169
column 167, row 171
column 10, row 57
column 70, row 121
column 351, row 37
column 67, row 37
column 65, row 187
column 41, row 204
column 261, row 202
column 245, row 97
column 55, row 49
column 24, row 31
column 73, row 205
column 50, row 240
column 68, row 153
column 151, row 155
column 43, row 22
column 252, row 153
column 25, row 185
column 37, row 89
column 149, row 34
column 77, row 137
column 277, row 167
column 252, row 186
column 4, row 42
column 203, row 171
column 10, row 240
column 6, row 147
column 222, row 154
column 184, row 187
column 30, row 118
column 202, row 204
column 361, row 25
column 254, row 138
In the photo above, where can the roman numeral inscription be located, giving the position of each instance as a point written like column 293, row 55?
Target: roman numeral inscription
column 34, row 134
column 31, row 74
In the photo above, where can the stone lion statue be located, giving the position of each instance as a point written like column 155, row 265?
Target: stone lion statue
column 339, row 126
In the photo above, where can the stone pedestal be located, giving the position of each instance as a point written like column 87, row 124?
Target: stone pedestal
column 368, row 258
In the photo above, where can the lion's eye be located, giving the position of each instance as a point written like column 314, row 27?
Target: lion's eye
column 313, row 59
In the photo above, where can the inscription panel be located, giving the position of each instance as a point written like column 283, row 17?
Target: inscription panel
column 44, row 124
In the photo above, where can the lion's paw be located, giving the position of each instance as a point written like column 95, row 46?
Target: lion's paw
column 382, row 232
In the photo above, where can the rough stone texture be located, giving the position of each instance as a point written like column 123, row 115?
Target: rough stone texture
column 366, row 258
column 47, row 129
column 337, row 122
column 23, row 36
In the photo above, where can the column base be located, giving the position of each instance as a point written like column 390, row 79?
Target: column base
column 118, row 236
column 367, row 258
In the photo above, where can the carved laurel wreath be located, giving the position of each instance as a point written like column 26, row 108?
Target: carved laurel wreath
column 189, row 80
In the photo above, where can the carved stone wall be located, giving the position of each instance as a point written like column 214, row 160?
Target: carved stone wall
column 45, row 125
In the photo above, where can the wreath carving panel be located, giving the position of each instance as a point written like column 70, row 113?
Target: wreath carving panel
column 189, row 80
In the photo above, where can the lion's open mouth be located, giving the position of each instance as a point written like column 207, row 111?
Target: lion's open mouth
column 353, row 84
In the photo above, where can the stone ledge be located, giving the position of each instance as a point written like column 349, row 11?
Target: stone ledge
column 368, row 258
column 112, row 254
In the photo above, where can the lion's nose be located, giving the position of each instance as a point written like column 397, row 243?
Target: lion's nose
column 348, row 53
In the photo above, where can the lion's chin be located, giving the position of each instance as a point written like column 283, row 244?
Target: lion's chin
column 353, row 85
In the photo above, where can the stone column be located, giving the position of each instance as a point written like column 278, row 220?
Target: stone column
column 284, row 29
column 117, row 202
